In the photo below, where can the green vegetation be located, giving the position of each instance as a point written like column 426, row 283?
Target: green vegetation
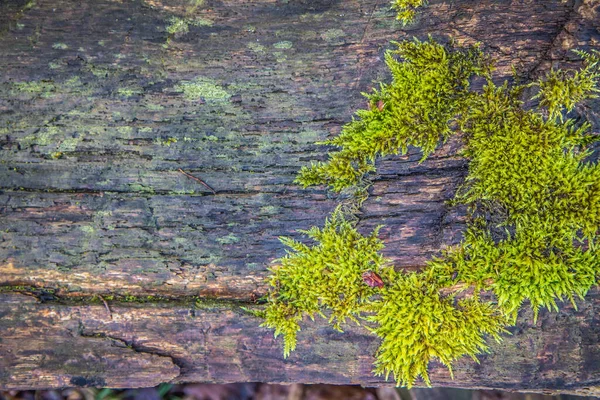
column 430, row 88
column 406, row 9
column 203, row 88
column 60, row 46
column 533, row 201
column 416, row 323
column 182, row 25
column 325, row 276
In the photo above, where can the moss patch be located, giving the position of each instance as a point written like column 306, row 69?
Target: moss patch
column 180, row 26
column 406, row 9
column 533, row 200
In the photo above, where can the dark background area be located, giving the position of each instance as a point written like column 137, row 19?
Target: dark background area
column 263, row 391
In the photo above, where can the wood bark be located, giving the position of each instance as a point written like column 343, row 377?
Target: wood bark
column 95, row 125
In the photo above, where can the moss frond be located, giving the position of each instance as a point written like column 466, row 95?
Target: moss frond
column 323, row 278
column 560, row 90
column 533, row 199
column 429, row 89
column 407, row 9
column 416, row 323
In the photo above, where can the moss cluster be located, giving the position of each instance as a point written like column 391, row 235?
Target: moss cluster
column 407, row 9
column 533, row 200
column 327, row 276
column 416, row 323
column 430, row 88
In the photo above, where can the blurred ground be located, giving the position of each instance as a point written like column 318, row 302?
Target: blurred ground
column 261, row 391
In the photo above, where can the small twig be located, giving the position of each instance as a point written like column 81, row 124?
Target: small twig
column 197, row 180
column 106, row 306
column 360, row 69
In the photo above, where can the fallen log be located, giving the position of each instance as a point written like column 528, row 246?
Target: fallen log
column 148, row 153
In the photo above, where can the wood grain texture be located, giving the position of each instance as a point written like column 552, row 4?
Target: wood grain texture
column 95, row 125
column 53, row 345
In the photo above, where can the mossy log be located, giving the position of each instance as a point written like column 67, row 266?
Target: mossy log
column 148, row 152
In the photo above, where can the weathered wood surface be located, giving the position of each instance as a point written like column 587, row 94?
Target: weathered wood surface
column 50, row 344
column 94, row 128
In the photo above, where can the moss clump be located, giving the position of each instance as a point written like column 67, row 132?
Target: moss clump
column 416, row 323
column 430, row 88
column 533, row 201
column 326, row 276
column 181, row 26
column 407, row 9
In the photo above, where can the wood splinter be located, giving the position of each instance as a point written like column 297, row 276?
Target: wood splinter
column 106, row 306
column 197, row 180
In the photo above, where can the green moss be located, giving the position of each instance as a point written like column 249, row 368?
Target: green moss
column 430, row 87
column 180, row 26
column 406, row 9
column 533, row 201
column 326, row 276
column 416, row 323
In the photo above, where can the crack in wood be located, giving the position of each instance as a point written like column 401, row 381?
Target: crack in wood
column 132, row 345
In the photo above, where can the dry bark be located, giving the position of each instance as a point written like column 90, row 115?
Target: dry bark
column 94, row 131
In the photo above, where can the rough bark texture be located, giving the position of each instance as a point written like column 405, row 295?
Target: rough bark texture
column 95, row 125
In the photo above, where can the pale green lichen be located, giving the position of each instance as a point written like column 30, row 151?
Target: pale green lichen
column 533, row 201
column 130, row 91
column 44, row 89
column 60, row 46
column 256, row 47
column 178, row 26
column 202, row 88
column 138, row 187
column 333, row 34
column 285, row 44
column 88, row 229
column 165, row 141
column 229, row 239
column 125, row 130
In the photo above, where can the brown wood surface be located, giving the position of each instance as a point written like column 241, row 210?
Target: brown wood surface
column 94, row 131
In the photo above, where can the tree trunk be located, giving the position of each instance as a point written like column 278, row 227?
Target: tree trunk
column 148, row 153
